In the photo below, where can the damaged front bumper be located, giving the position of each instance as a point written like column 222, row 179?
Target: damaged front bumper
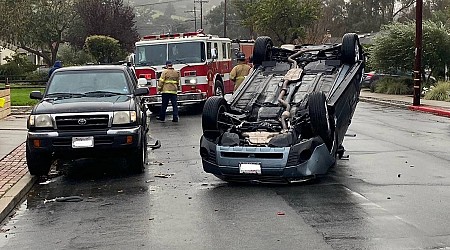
column 301, row 161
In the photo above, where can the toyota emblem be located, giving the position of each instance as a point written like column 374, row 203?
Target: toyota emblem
column 82, row 121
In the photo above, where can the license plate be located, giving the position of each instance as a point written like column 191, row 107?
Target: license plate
column 250, row 168
column 83, row 142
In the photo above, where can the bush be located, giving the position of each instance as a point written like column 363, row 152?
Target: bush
column 394, row 86
column 441, row 92
column 72, row 56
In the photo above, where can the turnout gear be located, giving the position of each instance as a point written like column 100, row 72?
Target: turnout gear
column 169, row 81
column 240, row 71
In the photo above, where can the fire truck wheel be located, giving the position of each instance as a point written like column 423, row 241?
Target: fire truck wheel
column 350, row 48
column 214, row 107
column 218, row 88
column 262, row 50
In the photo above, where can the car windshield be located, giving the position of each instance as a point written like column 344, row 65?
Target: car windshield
column 158, row 54
column 82, row 82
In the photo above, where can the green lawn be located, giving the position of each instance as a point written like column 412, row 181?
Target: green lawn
column 21, row 96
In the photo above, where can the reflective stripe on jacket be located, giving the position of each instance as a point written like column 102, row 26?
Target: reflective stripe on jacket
column 169, row 81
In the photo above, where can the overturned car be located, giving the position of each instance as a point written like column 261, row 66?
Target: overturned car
column 287, row 120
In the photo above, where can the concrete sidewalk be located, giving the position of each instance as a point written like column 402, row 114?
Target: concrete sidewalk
column 15, row 181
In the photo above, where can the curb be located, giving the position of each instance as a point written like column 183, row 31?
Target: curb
column 15, row 194
column 398, row 104
column 431, row 110
column 407, row 105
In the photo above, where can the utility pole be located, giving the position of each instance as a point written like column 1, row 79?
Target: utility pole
column 418, row 54
column 195, row 17
column 225, row 19
column 201, row 10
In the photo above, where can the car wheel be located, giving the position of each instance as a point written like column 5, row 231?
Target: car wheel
column 262, row 50
column 321, row 123
column 212, row 110
column 38, row 164
column 350, row 50
column 218, row 88
column 137, row 159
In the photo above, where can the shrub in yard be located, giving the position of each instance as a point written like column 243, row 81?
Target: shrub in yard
column 394, row 86
column 441, row 92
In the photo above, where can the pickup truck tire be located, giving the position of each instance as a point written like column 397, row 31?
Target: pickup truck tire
column 137, row 159
column 350, row 50
column 262, row 50
column 214, row 106
column 38, row 163
column 320, row 119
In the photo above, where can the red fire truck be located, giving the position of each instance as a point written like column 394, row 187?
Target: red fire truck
column 203, row 60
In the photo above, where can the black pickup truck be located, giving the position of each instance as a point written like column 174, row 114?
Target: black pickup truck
column 287, row 120
column 88, row 111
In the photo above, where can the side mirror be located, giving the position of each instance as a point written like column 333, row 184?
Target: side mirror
column 142, row 82
column 214, row 53
column 36, row 95
column 141, row 91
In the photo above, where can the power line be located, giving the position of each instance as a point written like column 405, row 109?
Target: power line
column 150, row 4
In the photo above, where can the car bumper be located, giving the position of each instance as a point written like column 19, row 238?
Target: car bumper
column 304, row 160
column 182, row 99
column 106, row 142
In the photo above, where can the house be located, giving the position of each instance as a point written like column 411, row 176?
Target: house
column 10, row 50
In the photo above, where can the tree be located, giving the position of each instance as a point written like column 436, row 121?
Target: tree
column 37, row 26
column 285, row 21
column 108, row 17
column 104, row 49
column 394, row 49
column 235, row 30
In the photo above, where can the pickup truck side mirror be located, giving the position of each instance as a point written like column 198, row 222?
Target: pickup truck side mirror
column 36, row 95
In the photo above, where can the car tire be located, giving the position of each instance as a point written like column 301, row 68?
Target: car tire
column 154, row 109
column 218, row 88
column 212, row 109
column 350, row 50
column 262, row 50
column 38, row 163
column 321, row 123
column 137, row 159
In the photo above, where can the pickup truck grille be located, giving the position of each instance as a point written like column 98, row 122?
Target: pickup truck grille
column 82, row 122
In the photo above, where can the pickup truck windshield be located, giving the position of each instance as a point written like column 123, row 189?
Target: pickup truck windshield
column 82, row 82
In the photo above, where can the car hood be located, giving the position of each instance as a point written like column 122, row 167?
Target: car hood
column 84, row 104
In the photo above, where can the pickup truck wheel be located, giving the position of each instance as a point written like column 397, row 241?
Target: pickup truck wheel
column 319, row 117
column 38, row 164
column 136, row 161
column 214, row 107
column 262, row 50
column 350, row 50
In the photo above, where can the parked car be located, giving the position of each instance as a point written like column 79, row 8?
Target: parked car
column 88, row 111
column 287, row 120
column 371, row 78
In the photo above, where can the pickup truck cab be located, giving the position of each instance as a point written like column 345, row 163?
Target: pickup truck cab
column 88, row 111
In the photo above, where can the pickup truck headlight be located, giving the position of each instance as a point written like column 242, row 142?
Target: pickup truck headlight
column 124, row 117
column 40, row 121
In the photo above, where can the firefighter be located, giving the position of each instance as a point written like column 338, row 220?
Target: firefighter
column 240, row 71
column 168, row 85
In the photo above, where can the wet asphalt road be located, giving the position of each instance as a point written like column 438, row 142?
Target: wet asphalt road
column 392, row 193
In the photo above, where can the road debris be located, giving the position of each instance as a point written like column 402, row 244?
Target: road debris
column 399, row 175
column 164, row 175
column 148, row 181
column 280, row 213
column 65, row 199
column 47, row 182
